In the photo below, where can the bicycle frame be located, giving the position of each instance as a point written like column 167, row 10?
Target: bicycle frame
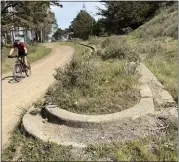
column 19, row 59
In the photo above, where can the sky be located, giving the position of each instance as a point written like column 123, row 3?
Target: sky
column 69, row 11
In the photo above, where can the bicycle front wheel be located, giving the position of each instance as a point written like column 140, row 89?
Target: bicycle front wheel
column 17, row 72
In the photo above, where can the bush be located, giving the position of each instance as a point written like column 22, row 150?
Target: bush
column 93, row 40
column 77, row 74
column 118, row 50
column 106, row 42
column 172, row 31
column 114, row 51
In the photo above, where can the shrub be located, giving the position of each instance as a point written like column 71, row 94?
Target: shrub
column 106, row 42
column 94, row 40
column 119, row 50
column 172, row 31
column 77, row 74
column 114, row 51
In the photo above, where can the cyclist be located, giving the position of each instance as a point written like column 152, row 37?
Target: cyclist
column 22, row 51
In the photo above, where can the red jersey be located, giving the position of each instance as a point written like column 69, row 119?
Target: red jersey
column 19, row 46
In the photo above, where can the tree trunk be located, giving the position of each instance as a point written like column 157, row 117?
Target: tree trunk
column 18, row 30
column 36, row 36
column 12, row 35
column 41, row 37
column 5, row 37
column 24, row 35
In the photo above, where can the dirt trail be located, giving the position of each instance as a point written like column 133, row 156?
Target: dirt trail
column 15, row 96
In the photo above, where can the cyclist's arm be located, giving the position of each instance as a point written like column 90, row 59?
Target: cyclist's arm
column 11, row 51
column 25, row 49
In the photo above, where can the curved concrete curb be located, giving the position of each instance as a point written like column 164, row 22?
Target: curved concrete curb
column 61, row 116
column 57, row 115
column 93, row 48
column 33, row 124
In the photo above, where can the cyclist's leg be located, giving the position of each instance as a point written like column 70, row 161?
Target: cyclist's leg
column 24, row 58
column 21, row 55
column 25, row 61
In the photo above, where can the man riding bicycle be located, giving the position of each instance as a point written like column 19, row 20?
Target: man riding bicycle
column 22, row 51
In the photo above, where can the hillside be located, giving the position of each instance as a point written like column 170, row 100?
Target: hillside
column 156, row 43
column 163, row 24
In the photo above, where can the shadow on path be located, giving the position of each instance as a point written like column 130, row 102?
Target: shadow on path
column 10, row 79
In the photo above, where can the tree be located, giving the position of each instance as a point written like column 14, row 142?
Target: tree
column 57, row 33
column 29, row 15
column 81, row 25
column 122, row 14
column 98, row 28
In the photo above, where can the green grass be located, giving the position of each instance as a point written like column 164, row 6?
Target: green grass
column 165, row 67
column 156, row 43
column 158, row 47
column 160, row 55
column 35, row 52
column 81, row 87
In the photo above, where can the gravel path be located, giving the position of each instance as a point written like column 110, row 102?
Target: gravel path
column 16, row 96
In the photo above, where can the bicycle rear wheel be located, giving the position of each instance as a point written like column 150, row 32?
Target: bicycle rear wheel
column 28, row 72
column 17, row 72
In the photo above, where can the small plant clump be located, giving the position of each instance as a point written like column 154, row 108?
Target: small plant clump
column 117, row 48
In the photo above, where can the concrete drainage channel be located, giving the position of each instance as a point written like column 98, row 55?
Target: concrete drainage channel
column 57, row 125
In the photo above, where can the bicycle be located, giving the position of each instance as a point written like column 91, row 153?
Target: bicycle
column 19, row 68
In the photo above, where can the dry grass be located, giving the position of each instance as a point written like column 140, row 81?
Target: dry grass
column 150, row 148
column 90, row 85
column 156, row 43
column 160, row 56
